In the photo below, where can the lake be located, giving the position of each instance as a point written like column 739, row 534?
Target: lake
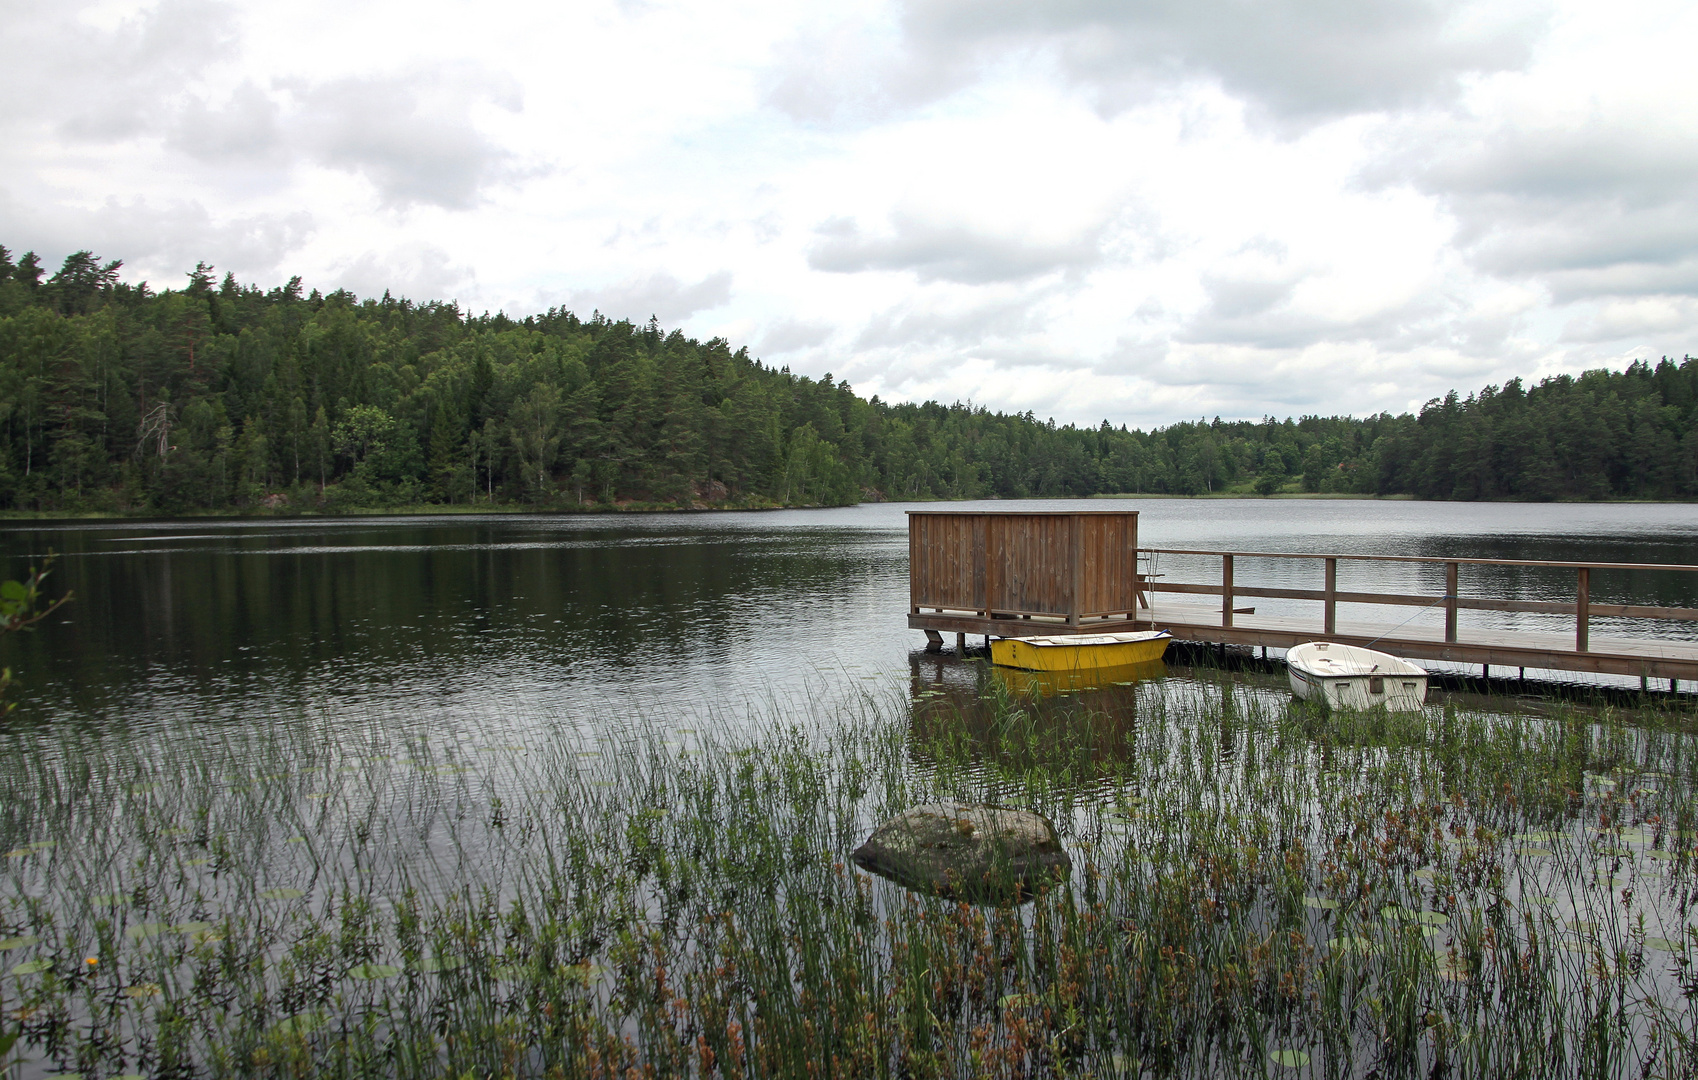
column 546, row 795
column 453, row 625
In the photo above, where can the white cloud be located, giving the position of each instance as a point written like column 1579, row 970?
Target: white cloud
column 659, row 295
column 1147, row 210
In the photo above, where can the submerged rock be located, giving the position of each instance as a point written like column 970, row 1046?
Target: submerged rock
column 966, row 851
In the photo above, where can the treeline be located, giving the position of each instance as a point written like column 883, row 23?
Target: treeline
column 115, row 397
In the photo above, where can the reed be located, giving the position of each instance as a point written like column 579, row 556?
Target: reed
column 1259, row 889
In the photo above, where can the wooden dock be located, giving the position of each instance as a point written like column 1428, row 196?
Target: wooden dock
column 1023, row 574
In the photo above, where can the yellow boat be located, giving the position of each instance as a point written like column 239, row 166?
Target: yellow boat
column 1080, row 652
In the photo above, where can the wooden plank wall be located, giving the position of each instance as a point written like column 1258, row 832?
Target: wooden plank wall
column 1064, row 564
column 1110, row 563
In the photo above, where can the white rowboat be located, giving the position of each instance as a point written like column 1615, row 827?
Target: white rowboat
column 1351, row 677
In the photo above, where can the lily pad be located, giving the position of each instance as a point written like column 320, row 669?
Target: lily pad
column 1539, row 837
column 1663, row 944
column 1658, row 853
column 1017, row 1001
column 281, row 894
column 1352, row 943
column 20, row 942
column 1453, row 972
column 32, row 967
column 299, row 1024
column 1324, row 903
column 585, row 973
column 373, row 972
column 1291, row 1059
column 508, row 972
column 146, row 930
column 196, row 862
column 296, row 840
column 190, row 927
column 141, row 990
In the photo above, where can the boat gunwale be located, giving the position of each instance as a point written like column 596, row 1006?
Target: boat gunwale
column 1300, row 664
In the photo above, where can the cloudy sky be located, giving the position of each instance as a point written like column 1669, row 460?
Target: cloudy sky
column 1139, row 210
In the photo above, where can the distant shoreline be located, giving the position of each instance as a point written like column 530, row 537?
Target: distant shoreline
column 429, row 510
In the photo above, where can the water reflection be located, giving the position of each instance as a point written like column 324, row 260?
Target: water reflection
column 1050, row 683
column 1078, row 726
column 520, row 625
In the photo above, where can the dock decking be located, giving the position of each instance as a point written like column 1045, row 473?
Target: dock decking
column 1024, row 574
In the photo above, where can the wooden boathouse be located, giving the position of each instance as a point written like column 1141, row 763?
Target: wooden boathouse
column 1027, row 572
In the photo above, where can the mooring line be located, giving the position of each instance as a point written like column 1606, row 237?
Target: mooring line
column 1406, row 622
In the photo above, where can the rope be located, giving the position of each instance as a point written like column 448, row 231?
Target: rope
column 1406, row 622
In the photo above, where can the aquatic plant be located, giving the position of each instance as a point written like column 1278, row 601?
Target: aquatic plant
column 1257, row 889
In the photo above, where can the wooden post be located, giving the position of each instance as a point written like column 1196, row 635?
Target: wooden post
column 1330, row 625
column 985, row 549
column 1226, row 590
column 1450, row 601
column 1583, row 611
column 960, row 643
column 1077, row 532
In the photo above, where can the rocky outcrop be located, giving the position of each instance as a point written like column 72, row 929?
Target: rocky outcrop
column 967, row 851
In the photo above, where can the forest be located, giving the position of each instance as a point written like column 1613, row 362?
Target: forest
column 223, row 397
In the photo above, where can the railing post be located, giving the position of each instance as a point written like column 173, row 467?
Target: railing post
column 1331, row 621
column 1450, row 601
column 1583, row 610
column 1226, row 591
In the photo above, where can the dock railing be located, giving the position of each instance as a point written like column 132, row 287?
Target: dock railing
column 1583, row 608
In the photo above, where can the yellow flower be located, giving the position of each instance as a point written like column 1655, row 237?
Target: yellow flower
column 94, row 959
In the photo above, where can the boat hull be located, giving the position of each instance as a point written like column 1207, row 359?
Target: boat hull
column 1082, row 652
column 1351, row 677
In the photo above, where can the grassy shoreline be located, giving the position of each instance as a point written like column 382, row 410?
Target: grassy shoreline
column 1259, row 889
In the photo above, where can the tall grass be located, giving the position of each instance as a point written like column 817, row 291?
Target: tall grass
column 1258, row 889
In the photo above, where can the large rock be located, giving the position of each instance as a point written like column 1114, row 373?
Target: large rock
column 966, row 851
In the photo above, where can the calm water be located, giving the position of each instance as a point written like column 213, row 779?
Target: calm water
column 438, row 626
